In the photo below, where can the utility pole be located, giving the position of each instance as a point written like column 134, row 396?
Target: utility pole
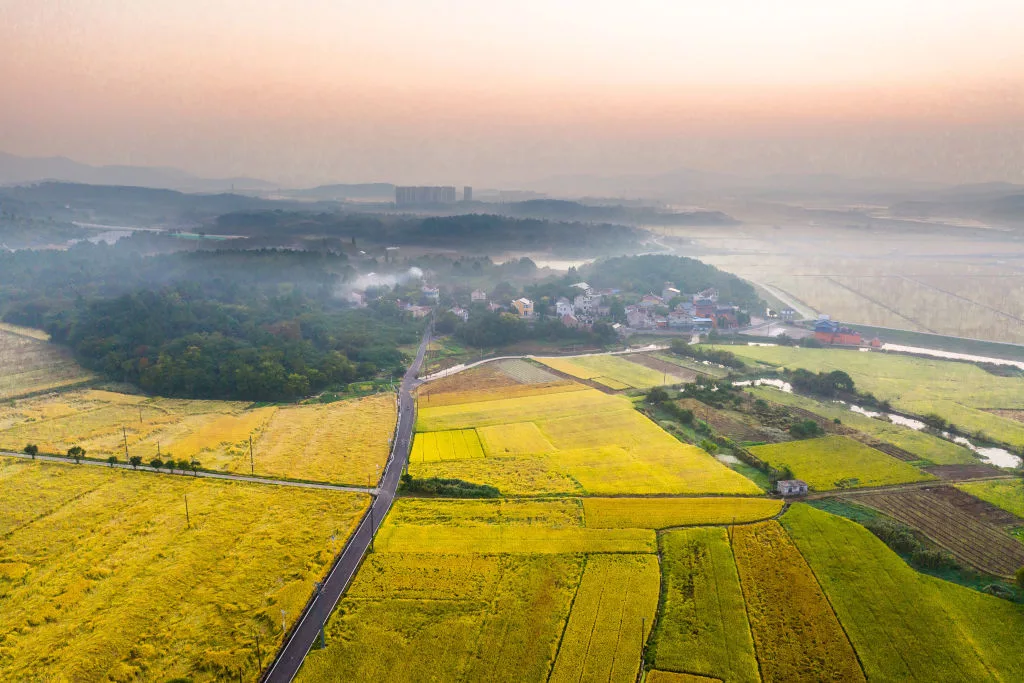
column 124, row 433
column 259, row 656
column 188, row 519
column 140, row 414
column 252, row 462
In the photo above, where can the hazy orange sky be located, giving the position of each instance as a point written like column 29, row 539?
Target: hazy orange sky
column 499, row 93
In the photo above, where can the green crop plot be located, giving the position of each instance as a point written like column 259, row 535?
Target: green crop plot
column 903, row 624
column 703, row 624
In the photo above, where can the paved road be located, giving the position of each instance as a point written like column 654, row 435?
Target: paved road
column 201, row 474
column 305, row 634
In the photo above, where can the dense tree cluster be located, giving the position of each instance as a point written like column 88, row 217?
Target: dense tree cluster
column 649, row 273
column 489, row 330
column 229, row 324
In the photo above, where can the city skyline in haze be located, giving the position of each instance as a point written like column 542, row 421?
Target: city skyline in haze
column 504, row 93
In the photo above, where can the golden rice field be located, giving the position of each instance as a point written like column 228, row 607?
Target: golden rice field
column 615, row 372
column 438, row 617
column 702, row 626
column 833, row 462
column 342, row 442
column 30, row 364
column 959, row 392
column 441, row 600
column 455, row 444
column 796, row 635
column 102, row 578
column 574, row 442
column 906, row 626
column 612, row 614
column 663, row 513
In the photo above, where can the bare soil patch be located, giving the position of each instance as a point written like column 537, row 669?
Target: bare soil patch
column 686, row 374
column 956, row 472
column 960, row 530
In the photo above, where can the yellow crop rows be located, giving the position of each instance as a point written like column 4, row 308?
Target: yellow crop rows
column 581, row 441
column 516, row 438
column 104, row 579
column 662, row 513
column 456, row 444
column 795, row 632
column 611, row 616
column 341, row 442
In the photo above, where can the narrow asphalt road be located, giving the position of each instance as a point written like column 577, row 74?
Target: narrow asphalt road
column 199, row 474
column 290, row 658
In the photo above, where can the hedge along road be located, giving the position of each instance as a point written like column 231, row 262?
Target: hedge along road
column 199, row 473
column 302, row 637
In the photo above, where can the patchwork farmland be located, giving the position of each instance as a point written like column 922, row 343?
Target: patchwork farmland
column 612, row 548
column 833, row 462
column 341, row 442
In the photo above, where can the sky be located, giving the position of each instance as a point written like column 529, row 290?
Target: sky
column 504, row 93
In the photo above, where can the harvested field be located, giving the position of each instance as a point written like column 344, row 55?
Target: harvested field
column 978, row 471
column 663, row 513
column 29, row 364
column 696, row 366
column 796, row 634
column 612, row 613
column 726, row 423
column 486, row 377
column 702, row 626
column 906, row 626
column 962, row 499
column 838, row 462
column 957, row 529
column 663, row 366
column 1017, row 415
column 887, row 448
column 526, row 372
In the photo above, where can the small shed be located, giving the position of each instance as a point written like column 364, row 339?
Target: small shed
column 791, row 487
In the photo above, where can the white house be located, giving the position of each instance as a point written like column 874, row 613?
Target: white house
column 563, row 307
column 478, row 296
column 461, row 312
column 431, row 292
column 791, row 487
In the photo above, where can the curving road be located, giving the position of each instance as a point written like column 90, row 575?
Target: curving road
column 303, row 636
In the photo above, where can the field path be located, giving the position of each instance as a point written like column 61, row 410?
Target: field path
column 305, row 633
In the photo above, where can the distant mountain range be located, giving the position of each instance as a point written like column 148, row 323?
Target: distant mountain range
column 19, row 170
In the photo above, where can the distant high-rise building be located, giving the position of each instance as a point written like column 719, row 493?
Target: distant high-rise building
column 420, row 196
column 467, row 194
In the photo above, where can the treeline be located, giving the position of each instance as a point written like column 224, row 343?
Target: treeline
column 465, row 231
column 681, row 348
column 649, row 273
column 489, row 330
column 244, row 325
